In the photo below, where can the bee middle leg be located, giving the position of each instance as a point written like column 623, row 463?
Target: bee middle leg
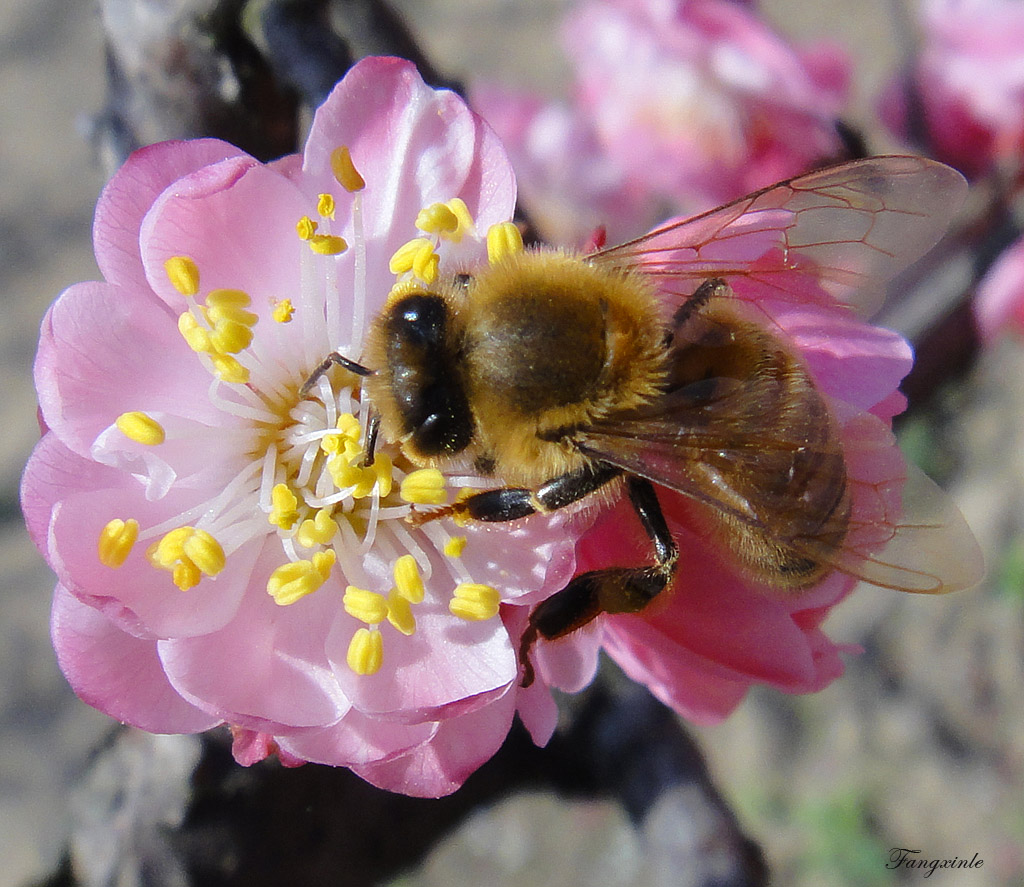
column 615, row 590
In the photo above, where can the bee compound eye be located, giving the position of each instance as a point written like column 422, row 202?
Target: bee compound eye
column 420, row 319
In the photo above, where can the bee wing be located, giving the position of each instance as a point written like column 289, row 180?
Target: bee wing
column 849, row 227
column 908, row 535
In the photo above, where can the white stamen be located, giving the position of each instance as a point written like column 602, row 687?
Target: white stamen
column 406, row 540
column 359, row 271
column 268, row 479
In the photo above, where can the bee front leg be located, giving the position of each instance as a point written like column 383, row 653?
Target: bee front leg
column 616, row 590
column 333, row 359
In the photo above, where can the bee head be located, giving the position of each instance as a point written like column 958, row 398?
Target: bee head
column 421, row 374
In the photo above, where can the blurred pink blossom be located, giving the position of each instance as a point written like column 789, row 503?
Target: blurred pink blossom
column 569, row 184
column 678, row 105
column 222, row 555
column 968, row 81
column 999, row 300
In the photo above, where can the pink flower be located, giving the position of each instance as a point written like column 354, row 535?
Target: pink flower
column 969, row 81
column 699, row 100
column 999, row 301
column 223, row 555
column 567, row 181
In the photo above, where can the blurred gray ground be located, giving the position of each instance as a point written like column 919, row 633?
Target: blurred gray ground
column 920, row 745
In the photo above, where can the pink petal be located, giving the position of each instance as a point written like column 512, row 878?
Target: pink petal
column 117, row 673
column 136, row 596
column 546, row 564
column 443, row 764
column 104, row 351
column 740, row 631
column 249, row 747
column 267, row 667
column 444, row 667
column 682, row 680
column 851, row 360
column 357, row 740
column 236, row 219
column 413, row 145
column 129, row 195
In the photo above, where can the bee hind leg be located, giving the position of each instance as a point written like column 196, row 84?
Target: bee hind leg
column 615, row 590
column 713, row 288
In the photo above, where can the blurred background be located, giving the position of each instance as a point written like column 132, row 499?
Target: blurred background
column 920, row 745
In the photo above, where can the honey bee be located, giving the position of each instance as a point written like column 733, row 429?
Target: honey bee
column 568, row 378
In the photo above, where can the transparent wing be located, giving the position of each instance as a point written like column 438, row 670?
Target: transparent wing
column 849, row 227
column 904, row 532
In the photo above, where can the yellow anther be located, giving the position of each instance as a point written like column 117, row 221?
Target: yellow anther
column 332, row 443
column 228, row 369
column 474, row 602
column 306, row 227
column 169, row 549
column 503, row 240
column 186, row 575
column 408, row 581
column 141, row 428
column 367, row 481
column 425, row 486
column 293, row 581
column 348, row 425
column 366, row 651
column 425, row 266
column 197, row 336
column 345, row 170
column 284, row 507
column 458, row 206
column 327, row 244
column 283, row 311
column 346, row 441
column 230, row 337
column 228, row 298
column 318, row 531
column 400, row 613
column 189, row 554
column 437, row 219
column 231, row 313
column 366, row 606
column 117, row 539
column 417, row 256
column 343, row 473
column 205, row 552
column 455, row 546
column 323, row 561
column 183, row 274
column 325, row 206
column 382, row 468
column 350, row 449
